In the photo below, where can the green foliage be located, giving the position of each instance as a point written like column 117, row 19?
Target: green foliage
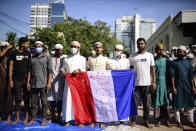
column 80, row 30
column 12, row 39
column 87, row 34
column 49, row 37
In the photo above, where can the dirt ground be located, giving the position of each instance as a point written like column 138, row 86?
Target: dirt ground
column 184, row 119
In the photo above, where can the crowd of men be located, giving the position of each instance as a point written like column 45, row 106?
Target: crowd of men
column 36, row 77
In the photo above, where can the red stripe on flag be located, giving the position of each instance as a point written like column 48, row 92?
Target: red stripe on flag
column 84, row 109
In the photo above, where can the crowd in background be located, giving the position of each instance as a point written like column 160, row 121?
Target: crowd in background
column 37, row 77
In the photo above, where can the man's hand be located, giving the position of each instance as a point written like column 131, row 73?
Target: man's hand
column 154, row 87
column 63, row 72
column 174, row 91
column 48, row 86
column 76, row 71
column 118, row 69
column 10, row 46
column 11, row 84
column 28, row 87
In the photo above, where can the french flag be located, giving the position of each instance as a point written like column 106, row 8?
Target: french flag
column 102, row 96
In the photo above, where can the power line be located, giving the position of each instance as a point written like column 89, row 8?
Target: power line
column 9, row 20
column 12, row 27
column 13, row 18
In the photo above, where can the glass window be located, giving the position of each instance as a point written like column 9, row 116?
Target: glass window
column 57, row 8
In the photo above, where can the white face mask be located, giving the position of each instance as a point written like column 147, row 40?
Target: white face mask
column 117, row 54
column 74, row 51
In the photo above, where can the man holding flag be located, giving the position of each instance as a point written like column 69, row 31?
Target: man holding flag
column 74, row 64
column 99, row 62
column 120, row 63
column 101, row 95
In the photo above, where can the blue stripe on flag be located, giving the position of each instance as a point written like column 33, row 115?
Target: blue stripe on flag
column 124, row 82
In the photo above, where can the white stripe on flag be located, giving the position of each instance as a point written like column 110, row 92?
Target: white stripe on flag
column 102, row 89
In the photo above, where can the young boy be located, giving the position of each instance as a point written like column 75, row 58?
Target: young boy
column 18, row 70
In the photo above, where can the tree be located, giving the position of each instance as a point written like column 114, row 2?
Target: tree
column 80, row 30
column 49, row 37
column 87, row 34
column 12, row 39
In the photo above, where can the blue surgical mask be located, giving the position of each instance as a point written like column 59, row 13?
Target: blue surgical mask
column 38, row 50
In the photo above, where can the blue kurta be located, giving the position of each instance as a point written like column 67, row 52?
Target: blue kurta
column 181, row 71
column 161, row 95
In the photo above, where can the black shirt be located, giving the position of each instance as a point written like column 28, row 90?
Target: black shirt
column 21, row 64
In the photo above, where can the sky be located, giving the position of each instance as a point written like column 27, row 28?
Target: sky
column 16, row 13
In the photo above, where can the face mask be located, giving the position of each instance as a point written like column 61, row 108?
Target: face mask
column 117, row 54
column 73, row 51
column 38, row 50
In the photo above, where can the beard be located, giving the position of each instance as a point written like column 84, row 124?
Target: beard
column 141, row 49
column 180, row 56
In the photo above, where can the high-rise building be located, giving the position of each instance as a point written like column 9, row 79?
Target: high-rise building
column 40, row 16
column 58, row 13
column 46, row 15
column 129, row 28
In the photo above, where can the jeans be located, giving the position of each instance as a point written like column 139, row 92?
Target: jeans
column 144, row 91
column 34, row 96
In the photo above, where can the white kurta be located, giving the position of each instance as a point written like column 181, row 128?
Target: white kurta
column 99, row 63
column 58, row 80
column 122, row 63
column 70, row 64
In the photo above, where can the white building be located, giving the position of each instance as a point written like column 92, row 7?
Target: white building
column 40, row 16
column 129, row 28
column 46, row 15
column 180, row 30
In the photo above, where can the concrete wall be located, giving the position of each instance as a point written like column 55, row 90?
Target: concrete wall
column 169, row 33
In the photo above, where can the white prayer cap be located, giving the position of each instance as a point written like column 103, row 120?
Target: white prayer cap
column 4, row 43
column 75, row 43
column 39, row 42
column 119, row 47
column 98, row 43
column 174, row 48
column 193, row 46
column 167, row 52
column 190, row 56
column 52, row 52
column 182, row 48
column 58, row 46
